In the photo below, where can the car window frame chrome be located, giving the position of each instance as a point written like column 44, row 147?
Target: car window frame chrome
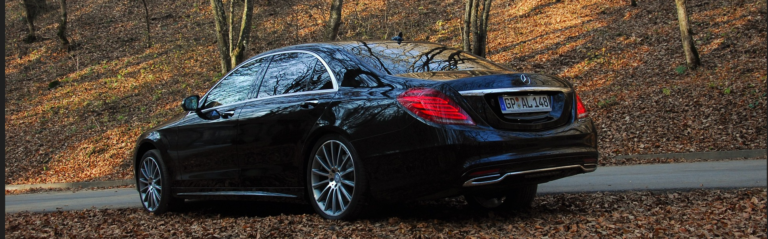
column 254, row 98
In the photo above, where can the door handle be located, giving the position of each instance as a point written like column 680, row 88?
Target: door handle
column 227, row 113
column 308, row 103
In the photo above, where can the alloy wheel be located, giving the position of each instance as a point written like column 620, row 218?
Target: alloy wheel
column 150, row 184
column 332, row 177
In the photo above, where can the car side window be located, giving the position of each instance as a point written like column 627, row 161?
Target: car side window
column 287, row 73
column 321, row 79
column 236, row 86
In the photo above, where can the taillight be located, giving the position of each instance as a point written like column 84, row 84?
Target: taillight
column 434, row 106
column 581, row 111
column 484, row 172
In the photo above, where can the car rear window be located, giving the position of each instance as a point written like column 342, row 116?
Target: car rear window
column 395, row 59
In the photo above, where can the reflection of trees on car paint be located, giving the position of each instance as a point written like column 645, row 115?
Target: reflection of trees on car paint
column 411, row 58
column 236, row 86
column 292, row 73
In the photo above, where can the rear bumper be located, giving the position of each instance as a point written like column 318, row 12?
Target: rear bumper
column 448, row 161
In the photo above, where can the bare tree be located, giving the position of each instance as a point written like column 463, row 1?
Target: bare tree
column 334, row 20
column 146, row 19
column 476, row 25
column 231, row 53
column 686, row 35
column 467, row 25
column 32, row 8
column 482, row 40
column 62, row 31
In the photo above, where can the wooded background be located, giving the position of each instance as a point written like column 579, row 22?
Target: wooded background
column 74, row 111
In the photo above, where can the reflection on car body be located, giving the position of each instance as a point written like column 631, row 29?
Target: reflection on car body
column 346, row 125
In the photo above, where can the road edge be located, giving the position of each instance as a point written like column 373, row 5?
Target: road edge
column 756, row 153
column 115, row 183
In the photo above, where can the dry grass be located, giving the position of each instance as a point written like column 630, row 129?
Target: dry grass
column 622, row 58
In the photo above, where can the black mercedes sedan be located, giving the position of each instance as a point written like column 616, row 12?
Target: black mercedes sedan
column 346, row 125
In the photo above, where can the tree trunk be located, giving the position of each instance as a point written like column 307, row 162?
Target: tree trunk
column 62, row 31
column 221, row 35
column 691, row 55
column 386, row 18
column 146, row 19
column 484, row 27
column 633, row 3
column 467, row 25
column 230, row 23
column 475, row 30
column 30, row 10
column 245, row 29
column 334, row 20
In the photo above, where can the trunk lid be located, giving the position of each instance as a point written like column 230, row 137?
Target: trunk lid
column 485, row 92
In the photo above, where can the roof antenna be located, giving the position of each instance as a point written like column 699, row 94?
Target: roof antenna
column 398, row 38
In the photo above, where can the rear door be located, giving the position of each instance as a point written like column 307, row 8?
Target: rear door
column 293, row 94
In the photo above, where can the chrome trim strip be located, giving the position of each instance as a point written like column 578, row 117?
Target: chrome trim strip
column 589, row 167
column 330, row 72
column 314, row 92
column 238, row 193
column 507, row 90
column 471, row 182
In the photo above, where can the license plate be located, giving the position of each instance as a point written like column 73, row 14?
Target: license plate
column 524, row 104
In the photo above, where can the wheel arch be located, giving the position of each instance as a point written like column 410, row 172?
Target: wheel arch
column 310, row 142
column 146, row 146
column 143, row 148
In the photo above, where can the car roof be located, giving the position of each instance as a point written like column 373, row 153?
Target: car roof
column 338, row 45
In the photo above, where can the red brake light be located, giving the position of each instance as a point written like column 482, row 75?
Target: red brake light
column 484, row 172
column 581, row 111
column 434, row 106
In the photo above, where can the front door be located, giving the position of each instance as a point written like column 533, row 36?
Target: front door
column 207, row 145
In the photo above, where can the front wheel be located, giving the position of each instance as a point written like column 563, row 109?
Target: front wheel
column 335, row 180
column 154, row 184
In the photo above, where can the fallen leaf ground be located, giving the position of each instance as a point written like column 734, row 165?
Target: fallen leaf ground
column 700, row 213
column 624, row 60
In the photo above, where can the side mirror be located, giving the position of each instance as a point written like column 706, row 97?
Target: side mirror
column 190, row 103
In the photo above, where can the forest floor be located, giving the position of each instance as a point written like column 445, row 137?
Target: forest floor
column 738, row 213
column 626, row 62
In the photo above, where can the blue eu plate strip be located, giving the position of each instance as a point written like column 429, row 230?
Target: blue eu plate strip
column 503, row 105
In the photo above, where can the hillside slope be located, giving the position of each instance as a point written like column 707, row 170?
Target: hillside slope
column 623, row 59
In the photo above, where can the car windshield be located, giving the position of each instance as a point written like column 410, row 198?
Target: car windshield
column 413, row 57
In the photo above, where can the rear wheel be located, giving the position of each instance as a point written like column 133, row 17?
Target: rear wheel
column 335, row 180
column 517, row 199
column 154, row 184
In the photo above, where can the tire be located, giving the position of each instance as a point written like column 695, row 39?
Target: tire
column 153, row 184
column 516, row 199
column 335, row 179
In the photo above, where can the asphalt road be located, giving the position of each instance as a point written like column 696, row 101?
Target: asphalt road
column 722, row 174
